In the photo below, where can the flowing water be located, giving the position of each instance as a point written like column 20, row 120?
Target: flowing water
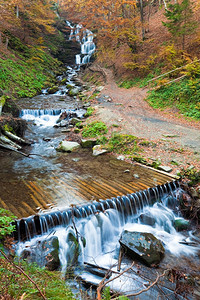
column 98, row 224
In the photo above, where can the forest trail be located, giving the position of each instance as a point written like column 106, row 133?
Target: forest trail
column 177, row 137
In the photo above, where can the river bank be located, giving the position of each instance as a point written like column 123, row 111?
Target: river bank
column 171, row 139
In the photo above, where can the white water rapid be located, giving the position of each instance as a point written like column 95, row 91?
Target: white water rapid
column 99, row 233
column 85, row 38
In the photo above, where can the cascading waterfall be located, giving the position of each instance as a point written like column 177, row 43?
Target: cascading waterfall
column 98, row 225
column 86, row 42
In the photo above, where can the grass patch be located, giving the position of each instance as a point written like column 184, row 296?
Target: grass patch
column 185, row 96
column 89, row 112
column 123, row 144
column 94, row 129
column 15, row 284
column 137, row 81
column 25, row 78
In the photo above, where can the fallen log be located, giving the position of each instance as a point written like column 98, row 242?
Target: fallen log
column 16, row 138
column 8, row 147
column 6, row 140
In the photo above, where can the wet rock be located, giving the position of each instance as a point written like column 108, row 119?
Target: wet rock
column 46, row 139
column 89, row 143
column 74, row 121
column 136, row 176
column 86, row 105
column 63, row 81
column 142, row 246
column 53, row 89
column 99, row 88
column 165, row 169
column 98, row 149
column 193, row 192
column 127, row 171
column 121, row 157
column 45, row 253
column 68, row 146
column 50, row 248
column 74, row 249
column 147, row 219
column 74, row 91
column 63, row 123
column 76, row 130
column 181, row 224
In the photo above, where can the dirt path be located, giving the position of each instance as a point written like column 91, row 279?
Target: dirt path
column 177, row 138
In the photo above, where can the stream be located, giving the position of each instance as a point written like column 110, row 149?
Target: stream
column 59, row 180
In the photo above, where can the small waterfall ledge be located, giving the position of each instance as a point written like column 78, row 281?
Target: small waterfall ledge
column 128, row 205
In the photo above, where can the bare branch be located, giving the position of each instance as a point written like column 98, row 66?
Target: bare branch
column 148, row 288
column 24, row 273
column 103, row 283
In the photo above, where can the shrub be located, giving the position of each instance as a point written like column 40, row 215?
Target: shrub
column 94, row 129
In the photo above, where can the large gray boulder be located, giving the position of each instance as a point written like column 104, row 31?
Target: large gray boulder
column 142, row 246
column 68, row 146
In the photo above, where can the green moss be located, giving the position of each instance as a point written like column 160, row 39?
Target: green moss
column 89, row 112
column 123, row 144
column 25, row 76
column 94, row 129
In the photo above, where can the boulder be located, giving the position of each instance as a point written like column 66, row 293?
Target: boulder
column 181, row 224
column 74, row 249
column 44, row 253
column 74, row 121
column 142, row 246
column 64, row 123
column 50, row 249
column 147, row 219
column 53, row 89
column 74, row 91
column 98, row 149
column 89, row 143
column 76, row 130
column 68, row 146
column 165, row 169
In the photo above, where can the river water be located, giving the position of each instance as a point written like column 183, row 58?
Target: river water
column 50, row 181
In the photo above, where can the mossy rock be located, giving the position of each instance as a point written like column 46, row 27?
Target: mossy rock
column 53, row 89
column 74, row 91
column 181, row 224
column 63, row 81
column 142, row 246
column 88, row 143
column 50, row 248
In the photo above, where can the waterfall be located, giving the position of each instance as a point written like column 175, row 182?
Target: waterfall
column 89, row 234
column 86, row 42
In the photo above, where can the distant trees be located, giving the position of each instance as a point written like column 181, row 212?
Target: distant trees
column 26, row 17
column 180, row 21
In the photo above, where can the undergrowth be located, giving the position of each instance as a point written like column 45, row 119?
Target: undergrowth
column 123, row 144
column 17, row 286
column 185, row 96
column 24, row 77
column 94, row 129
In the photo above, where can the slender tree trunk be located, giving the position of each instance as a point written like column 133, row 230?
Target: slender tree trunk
column 142, row 18
column 0, row 39
column 17, row 12
column 7, row 40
